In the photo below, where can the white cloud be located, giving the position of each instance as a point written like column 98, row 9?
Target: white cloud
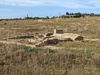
column 63, row 3
column 21, row 2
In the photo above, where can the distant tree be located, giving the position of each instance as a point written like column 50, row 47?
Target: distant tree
column 78, row 15
column 47, row 17
column 53, row 17
column 0, row 19
column 28, row 17
column 92, row 14
column 35, row 18
column 67, row 13
column 70, row 13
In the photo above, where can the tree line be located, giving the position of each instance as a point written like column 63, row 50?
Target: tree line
column 79, row 14
column 66, row 15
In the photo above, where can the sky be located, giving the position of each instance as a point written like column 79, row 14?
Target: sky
column 42, row 8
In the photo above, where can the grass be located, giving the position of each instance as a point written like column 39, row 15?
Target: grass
column 77, row 58
column 71, row 62
column 83, row 26
column 36, row 50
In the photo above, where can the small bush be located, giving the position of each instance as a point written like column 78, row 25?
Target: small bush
column 5, row 23
column 29, row 49
column 52, row 51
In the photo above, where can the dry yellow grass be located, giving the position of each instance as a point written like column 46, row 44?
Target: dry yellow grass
column 84, row 26
column 76, row 58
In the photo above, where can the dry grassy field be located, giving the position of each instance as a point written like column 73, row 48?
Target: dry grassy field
column 74, row 58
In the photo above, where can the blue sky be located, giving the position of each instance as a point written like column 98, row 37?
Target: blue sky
column 20, row 8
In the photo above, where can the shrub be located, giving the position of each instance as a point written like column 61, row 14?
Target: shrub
column 29, row 49
column 52, row 51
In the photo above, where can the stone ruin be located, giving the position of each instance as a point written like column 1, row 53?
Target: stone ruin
column 50, row 38
column 58, row 36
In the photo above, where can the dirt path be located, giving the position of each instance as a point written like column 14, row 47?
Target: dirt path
column 10, row 42
column 29, row 45
column 16, row 28
column 92, row 40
